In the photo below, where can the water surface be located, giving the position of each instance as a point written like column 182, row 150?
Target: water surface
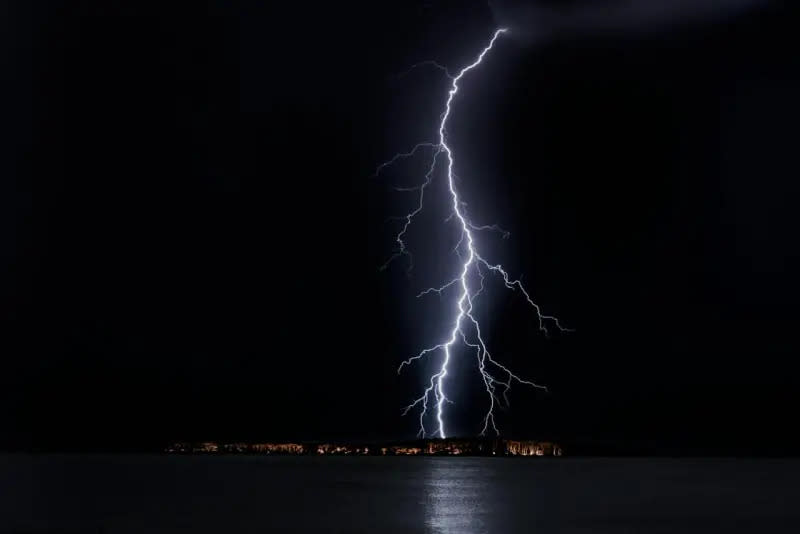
column 229, row 494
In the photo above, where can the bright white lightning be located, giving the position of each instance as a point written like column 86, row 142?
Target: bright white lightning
column 497, row 378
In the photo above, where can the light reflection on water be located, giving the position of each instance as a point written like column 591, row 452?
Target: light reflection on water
column 456, row 498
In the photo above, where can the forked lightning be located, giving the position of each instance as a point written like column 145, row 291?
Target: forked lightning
column 469, row 283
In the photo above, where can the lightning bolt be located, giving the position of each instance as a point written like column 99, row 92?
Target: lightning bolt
column 497, row 378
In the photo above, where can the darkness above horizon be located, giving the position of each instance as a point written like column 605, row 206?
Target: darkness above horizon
column 191, row 238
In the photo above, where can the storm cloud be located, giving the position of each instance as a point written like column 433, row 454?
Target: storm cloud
column 536, row 21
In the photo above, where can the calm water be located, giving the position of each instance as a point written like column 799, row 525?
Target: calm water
column 141, row 494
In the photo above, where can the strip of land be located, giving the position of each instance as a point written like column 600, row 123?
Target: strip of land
column 426, row 447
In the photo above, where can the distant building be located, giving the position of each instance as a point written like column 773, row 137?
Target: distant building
column 432, row 447
column 235, row 447
column 278, row 448
column 405, row 451
column 532, row 448
column 207, row 446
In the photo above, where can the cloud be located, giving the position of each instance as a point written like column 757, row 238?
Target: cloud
column 535, row 21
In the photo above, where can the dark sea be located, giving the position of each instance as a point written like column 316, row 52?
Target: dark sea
column 230, row 494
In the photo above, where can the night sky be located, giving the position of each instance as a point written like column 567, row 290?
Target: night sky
column 191, row 239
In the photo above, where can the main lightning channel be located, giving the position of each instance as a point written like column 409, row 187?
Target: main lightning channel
column 494, row 375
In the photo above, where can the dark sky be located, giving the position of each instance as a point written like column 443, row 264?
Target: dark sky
column 190, row 236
